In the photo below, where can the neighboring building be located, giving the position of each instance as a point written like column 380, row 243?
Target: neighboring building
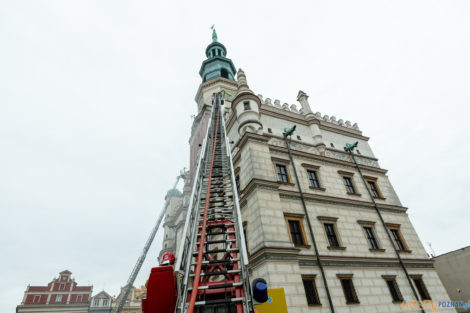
column 101, row 303
column 62, row 294
column 454, row 270
column 134, row 301
column 361, row 268
column 172, row 224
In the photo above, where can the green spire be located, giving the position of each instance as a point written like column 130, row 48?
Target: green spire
column 214, row 34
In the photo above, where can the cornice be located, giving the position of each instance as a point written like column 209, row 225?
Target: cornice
column 288, row 194
column 292, row 254
column 214, row 82
column 327, row 159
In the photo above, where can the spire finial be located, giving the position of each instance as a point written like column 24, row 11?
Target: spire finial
column 214, row 34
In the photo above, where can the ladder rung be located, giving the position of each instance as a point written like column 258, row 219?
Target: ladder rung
column 218, row 301
column 218, row 273
column 217, row 286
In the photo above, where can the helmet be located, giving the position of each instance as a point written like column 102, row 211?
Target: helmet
column 168, row 258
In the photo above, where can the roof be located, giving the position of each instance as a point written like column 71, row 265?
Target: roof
column 173, row 192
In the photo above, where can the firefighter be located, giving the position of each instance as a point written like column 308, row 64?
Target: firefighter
column 168, row 259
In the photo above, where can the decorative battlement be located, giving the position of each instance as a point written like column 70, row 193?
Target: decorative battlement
column 293, row 108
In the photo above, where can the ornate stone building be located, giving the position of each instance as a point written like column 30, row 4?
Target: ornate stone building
column 62, row 294
column 356, row 268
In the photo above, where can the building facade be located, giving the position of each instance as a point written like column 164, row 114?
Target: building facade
column 357, row 252
column 62, row 294
column 453, row 269
column 134, row 301
column 101, row 303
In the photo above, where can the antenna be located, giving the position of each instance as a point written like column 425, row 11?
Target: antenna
column 433, row 254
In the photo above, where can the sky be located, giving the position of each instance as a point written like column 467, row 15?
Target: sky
column 96, row 99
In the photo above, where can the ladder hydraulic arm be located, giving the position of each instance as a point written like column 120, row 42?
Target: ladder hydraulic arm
column 130, row 282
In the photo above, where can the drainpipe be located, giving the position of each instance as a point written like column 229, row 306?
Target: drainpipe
column 349, row 148
column 288, row 133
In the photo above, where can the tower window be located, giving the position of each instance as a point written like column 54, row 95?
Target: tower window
column 224, row 73
column 282, row 173
column 393, row 288
column 295, row 228
column 348, row 289
column 349, row 185
column 371, row 238
column 312, row 177
column 374, row 189
column 246, row 105
column 296, row 234
column 423, row 292
column 331, row 235
column 310, row 290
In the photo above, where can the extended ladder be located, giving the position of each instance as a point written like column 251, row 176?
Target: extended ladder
column 212, row 258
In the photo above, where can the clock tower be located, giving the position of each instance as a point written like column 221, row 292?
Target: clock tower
column 218, row 74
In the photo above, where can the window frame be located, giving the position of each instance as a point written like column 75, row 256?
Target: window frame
column 377, row 194
column 296, row 218
column 423, row 289
column 316, row 298
column 395, row 228
column 246, row 106
column 392, row 279
column 316, row 170
column 285, row 175
column 37, row 297
column 349, row 176
column 348, row 277
column 58, row 298
column 371, row 225
column 331, row 220
column 105, row 302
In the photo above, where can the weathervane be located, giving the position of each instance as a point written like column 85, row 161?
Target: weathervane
column 214, row 34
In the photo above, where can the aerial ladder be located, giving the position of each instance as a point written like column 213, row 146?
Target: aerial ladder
column 121, row 300
column 210, row 274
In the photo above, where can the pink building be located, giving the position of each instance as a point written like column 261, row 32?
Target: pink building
column 62, row 294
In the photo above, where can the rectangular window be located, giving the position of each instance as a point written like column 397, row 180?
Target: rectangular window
column 349, row 185
column 312, row 177
column 423, row 292
column 397, row 237
column 393, row 288
column 96, row 302
column 331, row 235
column 79, row 298
column 295, row 232
column 237, row 182
column 348, row 290
column 374, row 189
column 246, row 105
column 371, row 237
column 58, row 298
column 282, row 173
column 36, row 299
column 310, row 290
column 105, row 302
column 62, row 287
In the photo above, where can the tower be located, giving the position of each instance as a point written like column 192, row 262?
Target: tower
column 338, row 237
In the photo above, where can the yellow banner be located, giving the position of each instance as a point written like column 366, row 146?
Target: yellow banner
column 276, row 302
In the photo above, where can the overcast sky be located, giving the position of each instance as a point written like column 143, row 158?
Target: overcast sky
column 96, row 99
